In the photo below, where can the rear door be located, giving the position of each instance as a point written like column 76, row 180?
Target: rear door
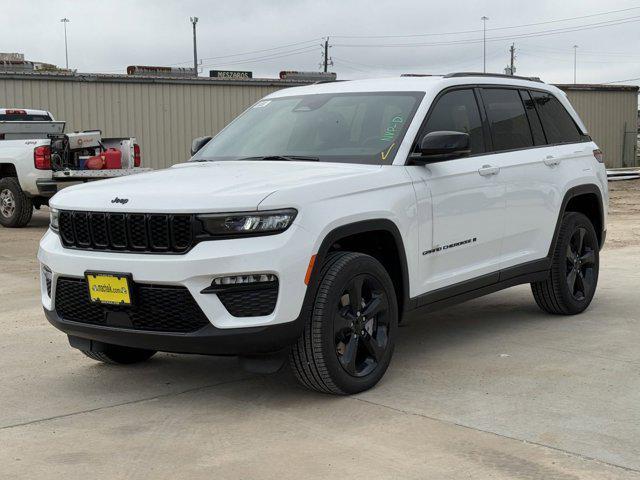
column 521, row 152
column 535, row 176
column 460, row 201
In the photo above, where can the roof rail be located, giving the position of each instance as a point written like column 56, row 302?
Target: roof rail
column 499, row 75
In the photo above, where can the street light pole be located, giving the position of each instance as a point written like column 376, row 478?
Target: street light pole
column 66, row 51
column 194, row 21
column 575, row 62
column 484, row 43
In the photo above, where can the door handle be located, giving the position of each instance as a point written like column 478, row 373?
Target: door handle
column 551, row 161
column 487, row 170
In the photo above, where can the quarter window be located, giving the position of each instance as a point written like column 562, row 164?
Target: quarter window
column 457, row 111
column 507, row 118
column 558, row 125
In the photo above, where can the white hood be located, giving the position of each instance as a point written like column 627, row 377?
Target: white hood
column 202, row 187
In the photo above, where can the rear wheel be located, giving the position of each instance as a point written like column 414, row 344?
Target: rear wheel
column 348, row 342
column 15, row 207
column 117, row 355
column 573, row 277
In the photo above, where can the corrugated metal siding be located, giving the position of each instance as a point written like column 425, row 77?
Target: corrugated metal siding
column 164, row 117
column 610, row 118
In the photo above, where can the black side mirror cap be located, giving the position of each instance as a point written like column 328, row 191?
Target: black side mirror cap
column 442, row 145
column 198, row 143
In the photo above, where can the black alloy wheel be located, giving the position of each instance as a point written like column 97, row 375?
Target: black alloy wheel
column 361, row 326
column 580, row 264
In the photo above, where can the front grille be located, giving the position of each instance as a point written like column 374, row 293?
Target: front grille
column 157, row 308
column 127, row 232
column 247, row 302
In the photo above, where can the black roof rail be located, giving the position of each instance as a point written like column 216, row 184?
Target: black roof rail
column 499, row 75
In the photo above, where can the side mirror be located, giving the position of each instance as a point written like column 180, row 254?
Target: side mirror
column 198, row 143
column 442, row 145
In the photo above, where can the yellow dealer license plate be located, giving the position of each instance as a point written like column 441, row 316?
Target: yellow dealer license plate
column 109, row 288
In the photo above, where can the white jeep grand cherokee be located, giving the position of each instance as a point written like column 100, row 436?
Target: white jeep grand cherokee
column 324, row 215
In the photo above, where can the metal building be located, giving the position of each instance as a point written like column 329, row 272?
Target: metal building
column 610, row 113
column 164, row 114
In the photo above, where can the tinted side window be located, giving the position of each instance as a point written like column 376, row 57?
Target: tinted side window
column 458, row 111
column 534, row 120
column 507, row 118
column 12, row 117
column 556, row 121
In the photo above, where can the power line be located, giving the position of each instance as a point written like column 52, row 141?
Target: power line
column 489, row 29
column 254, row 51
column 622, row 81
column 608, row 23
column 265, row 58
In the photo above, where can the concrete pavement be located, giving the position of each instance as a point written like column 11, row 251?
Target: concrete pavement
column 492, row 388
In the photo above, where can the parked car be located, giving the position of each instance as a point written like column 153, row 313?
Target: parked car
column 325, row 215
column 37, row 159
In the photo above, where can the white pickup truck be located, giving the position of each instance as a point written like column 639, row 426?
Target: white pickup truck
column 37, row 159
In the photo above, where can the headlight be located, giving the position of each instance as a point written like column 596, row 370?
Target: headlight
column 248, row 223
column 54, row 219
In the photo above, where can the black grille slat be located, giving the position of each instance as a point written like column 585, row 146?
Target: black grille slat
column 118, row 230
column 137, row 225
column 158, row 308
column 98, row 226
column 181, row 232
column 128, row 232
column 81, row 228
column 66, row 228
column 159, row 232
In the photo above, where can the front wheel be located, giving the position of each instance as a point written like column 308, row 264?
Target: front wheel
column 348, row 342
column 573, row 277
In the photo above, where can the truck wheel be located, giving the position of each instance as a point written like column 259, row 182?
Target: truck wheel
column 15, row 207
column 573, row 277
column 348, row 341
column 117, row 355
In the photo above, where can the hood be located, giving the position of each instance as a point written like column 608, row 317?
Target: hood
column 224, row 186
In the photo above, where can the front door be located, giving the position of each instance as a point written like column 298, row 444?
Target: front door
column 461, row 201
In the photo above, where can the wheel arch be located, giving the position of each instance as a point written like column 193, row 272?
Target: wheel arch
column 8, row 170
column 585, row 199
column 386, row 246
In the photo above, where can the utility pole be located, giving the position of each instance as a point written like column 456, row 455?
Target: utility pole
column 194, row 21
column 575, row 62
column 484, row 43
column 326, row 54
column 512, row 67
column 66, row 51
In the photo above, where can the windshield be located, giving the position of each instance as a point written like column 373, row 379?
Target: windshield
column 337, row 127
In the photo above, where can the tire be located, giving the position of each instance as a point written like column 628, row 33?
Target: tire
column 573, row 277
column 15, row 207
column 117, row 355
column 341, row 351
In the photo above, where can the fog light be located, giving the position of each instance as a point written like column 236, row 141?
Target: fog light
column 243, row 279
column 48, row 278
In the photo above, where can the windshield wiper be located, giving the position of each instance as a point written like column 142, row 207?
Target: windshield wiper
column 289, row 158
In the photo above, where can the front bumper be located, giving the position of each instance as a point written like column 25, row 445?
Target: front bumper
column 286, row 255
column 208, row 340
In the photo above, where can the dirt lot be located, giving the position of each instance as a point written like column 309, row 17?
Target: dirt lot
column 492, row 388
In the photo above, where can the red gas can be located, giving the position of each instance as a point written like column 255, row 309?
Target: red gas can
column 112, row 158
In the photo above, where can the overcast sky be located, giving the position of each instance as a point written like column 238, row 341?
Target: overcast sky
column 107, row 35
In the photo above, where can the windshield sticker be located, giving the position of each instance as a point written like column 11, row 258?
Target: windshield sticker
column 384, row 155
column 262, row 104
column 390, row 133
